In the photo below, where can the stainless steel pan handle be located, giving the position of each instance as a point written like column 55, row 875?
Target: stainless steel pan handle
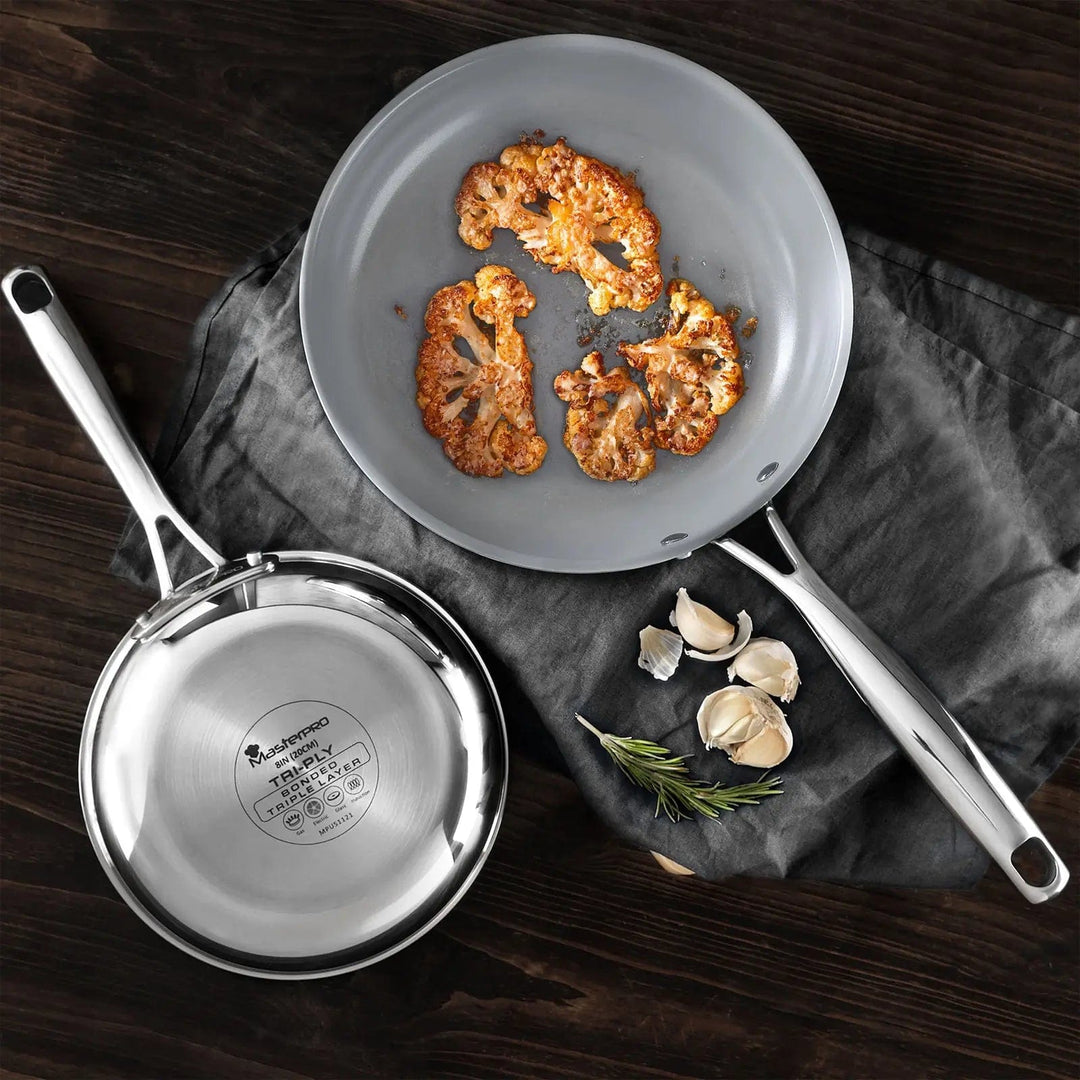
column 953, row 765
column 67, row 359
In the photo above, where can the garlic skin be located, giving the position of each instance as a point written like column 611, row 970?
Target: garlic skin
column 746, row 628
column 699, row 625
column 660, row 652
column 747, row 724
column 769, row 665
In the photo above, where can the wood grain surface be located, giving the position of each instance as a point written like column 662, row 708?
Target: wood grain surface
column 149, row 147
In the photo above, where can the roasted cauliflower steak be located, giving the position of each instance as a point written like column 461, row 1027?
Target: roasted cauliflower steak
column 692, row 370
column 589, row 202
column 607, row 439
column 481, row 408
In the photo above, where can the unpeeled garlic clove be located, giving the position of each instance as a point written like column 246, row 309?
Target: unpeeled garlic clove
column 728, row 717
column 769, row 665
column 747, row 724
column 670, row 865
column 766, row 749
column 660, row 652
column 699, row 625
column 746, row 628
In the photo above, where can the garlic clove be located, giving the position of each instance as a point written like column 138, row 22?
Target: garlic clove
column 766, row 749
column 747, row 724
column 730, row 716
column 660, row 652
column 769, row 665
column 700, row 625
column 746, row 628
column 670, row 865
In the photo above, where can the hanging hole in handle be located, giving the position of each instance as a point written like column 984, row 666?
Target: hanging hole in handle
column 30, row 292
column 1034, row 863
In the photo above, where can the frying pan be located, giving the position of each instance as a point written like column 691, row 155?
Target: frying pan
column 739, row 206
column 745, row 218
column 293, row 764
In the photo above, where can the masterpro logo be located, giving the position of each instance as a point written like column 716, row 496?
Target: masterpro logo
column 256, row 755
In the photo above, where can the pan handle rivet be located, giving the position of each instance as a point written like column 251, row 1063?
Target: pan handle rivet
column 674, row 538
column 767, row 471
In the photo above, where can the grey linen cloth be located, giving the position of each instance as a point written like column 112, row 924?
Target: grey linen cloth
column 940, row 503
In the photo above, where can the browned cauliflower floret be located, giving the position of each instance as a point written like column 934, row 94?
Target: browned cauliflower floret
column 589, row 202
column 692, row 371
column 482, row 408
column 605, row 438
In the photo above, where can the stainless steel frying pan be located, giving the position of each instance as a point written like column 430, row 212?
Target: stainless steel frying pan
column 293, row 764
column 747, row 220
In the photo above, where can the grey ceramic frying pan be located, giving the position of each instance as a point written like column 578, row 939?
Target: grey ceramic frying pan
column 738, row 205
column 746, row 219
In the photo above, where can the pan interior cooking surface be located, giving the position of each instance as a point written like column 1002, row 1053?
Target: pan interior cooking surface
column 740, row 208
column 298, row 773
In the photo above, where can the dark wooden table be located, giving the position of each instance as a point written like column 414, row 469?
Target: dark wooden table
column 147, row 148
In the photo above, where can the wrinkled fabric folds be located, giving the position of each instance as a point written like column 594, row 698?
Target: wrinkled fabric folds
column 940, row 503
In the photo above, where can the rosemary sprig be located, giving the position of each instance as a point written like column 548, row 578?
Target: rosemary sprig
column 678, row 794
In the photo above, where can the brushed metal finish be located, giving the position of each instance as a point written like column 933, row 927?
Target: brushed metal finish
column 925, row 730
column 294, row 764
column 67, row 359
column 171, row 795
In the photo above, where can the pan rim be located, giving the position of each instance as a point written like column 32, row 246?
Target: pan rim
column 835, row 366
column 93, row 821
